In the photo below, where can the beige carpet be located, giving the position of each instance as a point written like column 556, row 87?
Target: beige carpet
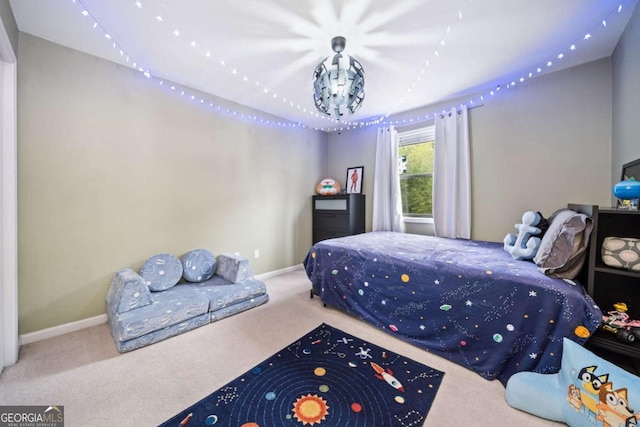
column 100, row 387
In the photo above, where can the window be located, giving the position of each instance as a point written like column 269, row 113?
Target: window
column 415, row 164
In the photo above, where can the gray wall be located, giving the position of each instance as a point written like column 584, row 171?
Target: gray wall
column 538, row 146
column 626, row 93
column 114, row 169
column 9, row 22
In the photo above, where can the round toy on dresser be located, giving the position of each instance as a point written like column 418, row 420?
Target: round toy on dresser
column 328, row 187
column 627, row 192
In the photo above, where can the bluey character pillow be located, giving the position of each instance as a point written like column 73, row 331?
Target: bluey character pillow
column 588, row 391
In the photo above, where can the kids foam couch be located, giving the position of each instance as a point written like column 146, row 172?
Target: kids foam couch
column 171, row 296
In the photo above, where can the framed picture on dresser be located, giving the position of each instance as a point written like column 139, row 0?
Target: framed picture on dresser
column 631, row 171
column 354, row 180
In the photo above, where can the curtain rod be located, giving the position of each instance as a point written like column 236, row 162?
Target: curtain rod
column 421, row 124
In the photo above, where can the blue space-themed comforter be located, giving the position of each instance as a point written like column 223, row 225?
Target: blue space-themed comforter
column 465, row 300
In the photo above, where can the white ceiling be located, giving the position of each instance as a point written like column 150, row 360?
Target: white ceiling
column 270, row 47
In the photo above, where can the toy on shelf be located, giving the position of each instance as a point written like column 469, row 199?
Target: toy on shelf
column 619, row 323
column 628, row 194
column 328, row 187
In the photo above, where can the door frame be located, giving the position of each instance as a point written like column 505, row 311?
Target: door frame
column 9, row 338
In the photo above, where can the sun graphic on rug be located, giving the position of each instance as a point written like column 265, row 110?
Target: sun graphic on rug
column 310, row 409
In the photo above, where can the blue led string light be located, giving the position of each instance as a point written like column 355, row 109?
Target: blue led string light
column 336, row 125
column 186, row 92
column 123, row 53
column 181, row 90
column 262, row 88
column 480, row 99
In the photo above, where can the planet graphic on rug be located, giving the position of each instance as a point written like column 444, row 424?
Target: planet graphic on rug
column 310, row 409
column 320, row 387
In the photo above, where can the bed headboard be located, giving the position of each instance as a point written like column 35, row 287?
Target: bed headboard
column 585, row 209
column 585, row 277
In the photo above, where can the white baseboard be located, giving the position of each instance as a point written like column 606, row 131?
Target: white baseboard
column 55, row 331
column 279, row 272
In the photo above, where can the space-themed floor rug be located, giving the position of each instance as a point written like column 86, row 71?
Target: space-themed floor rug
column 325, row 378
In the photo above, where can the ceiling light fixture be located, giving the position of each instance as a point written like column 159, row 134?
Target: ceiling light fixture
column 338, row 83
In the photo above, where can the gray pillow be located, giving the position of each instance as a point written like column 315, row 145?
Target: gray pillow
column 563, row 249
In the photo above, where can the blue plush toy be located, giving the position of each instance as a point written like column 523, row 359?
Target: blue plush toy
column 524, row 245
column 588, row 391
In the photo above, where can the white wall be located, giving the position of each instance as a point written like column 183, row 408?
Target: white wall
column 538, row 146
column 541, row 146
column 114, row 169
column 626, row 92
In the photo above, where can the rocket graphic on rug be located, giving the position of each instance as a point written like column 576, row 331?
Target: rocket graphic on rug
column 387, row 376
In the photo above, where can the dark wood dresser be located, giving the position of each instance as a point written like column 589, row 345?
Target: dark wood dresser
column 337, row 216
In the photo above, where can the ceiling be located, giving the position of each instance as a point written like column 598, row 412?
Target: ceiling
column 262, row 53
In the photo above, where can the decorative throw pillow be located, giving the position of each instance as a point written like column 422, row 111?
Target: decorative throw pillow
column 198, row 265
column 161, row 272
column 588, row 391
column 234, row 268
column 525, row 245
column 563, row 248
column 621, row 252
column 127, row 292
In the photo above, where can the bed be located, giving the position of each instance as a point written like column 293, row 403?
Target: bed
column 468, row 301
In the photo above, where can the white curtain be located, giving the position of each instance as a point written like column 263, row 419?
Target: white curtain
column 387, row 203
column 452, row 176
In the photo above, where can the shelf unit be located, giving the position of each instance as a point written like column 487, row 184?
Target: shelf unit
column 608, row 285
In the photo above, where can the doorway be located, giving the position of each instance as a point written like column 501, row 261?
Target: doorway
column 9, row 341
